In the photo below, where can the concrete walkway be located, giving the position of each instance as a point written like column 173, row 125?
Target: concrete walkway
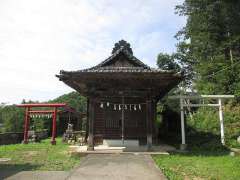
column 117, row 167
column 34, row 175
column 98, row 167
column 156, row 149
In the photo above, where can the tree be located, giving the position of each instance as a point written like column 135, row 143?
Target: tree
column 210, row 44
column 73, row 99
column 12, row 118
column 176, row 62
column 167, row 62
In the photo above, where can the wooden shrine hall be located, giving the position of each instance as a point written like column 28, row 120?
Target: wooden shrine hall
column 122, row 95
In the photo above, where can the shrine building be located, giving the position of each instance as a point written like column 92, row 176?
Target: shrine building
column 122, row 95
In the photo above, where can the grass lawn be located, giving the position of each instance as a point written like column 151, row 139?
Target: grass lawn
column 37, row 156
column 200, row 165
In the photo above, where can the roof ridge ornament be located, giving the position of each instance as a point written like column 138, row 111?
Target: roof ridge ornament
column 122, row 45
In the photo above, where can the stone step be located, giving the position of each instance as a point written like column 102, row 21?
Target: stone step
column 120, row 143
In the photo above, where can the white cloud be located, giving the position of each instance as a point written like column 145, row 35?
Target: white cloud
column 40, row 37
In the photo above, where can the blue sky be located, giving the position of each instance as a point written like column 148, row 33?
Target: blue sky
column 38, row 38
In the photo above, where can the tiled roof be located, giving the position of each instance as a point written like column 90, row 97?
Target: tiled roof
column 127, row 53
column 106, row 66
column 112, row 69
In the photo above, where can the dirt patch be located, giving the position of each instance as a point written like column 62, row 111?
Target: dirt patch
column 30, row 154
column 5, row 159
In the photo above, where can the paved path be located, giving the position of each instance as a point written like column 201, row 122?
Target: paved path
column 116, row 167
column 34, row 175
column 98, row 167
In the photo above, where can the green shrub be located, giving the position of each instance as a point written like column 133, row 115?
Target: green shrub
column 12, row 118
column 206, row 121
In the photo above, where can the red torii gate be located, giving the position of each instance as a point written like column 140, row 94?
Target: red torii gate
column 28, row 111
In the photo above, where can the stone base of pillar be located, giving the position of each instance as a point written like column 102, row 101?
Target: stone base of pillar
column 90, row 148
column 24, row 142
column 149, row 148
column 149, row 142
column 183, row 147
column 53, row 142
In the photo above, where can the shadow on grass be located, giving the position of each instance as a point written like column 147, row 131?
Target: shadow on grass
column 7, row 170
column 203, row 152
column 199, row 143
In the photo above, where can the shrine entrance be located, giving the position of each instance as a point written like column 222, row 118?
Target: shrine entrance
column 30, row 111
column 120, row 118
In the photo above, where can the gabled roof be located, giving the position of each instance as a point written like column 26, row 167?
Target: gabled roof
column 124, row 51
column 122, row 48
column 121, row 70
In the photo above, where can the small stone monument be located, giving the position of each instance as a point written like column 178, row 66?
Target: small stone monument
column 69, row 136
column 32, row 135
column 238, row 139
column 69, row 128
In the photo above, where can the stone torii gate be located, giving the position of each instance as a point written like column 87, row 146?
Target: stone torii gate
column 53, row 112
column 183, row 104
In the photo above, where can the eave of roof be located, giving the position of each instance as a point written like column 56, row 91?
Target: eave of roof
column 111, row 69
column 121, row 73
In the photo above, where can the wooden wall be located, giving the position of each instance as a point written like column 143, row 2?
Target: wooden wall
column 108, row 124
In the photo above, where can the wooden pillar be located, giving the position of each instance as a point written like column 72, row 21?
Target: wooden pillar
column 149, row 113
column 221, row 121
column 54, row 123
column 123, row 120
column 87, row 121
column 154, row 126
column 91, row 119
column 79, row 122
column 26, row 125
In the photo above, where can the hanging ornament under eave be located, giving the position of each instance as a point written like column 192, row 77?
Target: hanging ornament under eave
column 115, row 107
column 119, row 107
column 135, row 107
column 130, row 107
column 108, row 104
column 101, row 105
column 139, row 106
column 125, row 106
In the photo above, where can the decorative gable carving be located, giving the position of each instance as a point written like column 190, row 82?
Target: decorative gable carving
column 120, row 61
column 122, row 56
column 122, row 44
